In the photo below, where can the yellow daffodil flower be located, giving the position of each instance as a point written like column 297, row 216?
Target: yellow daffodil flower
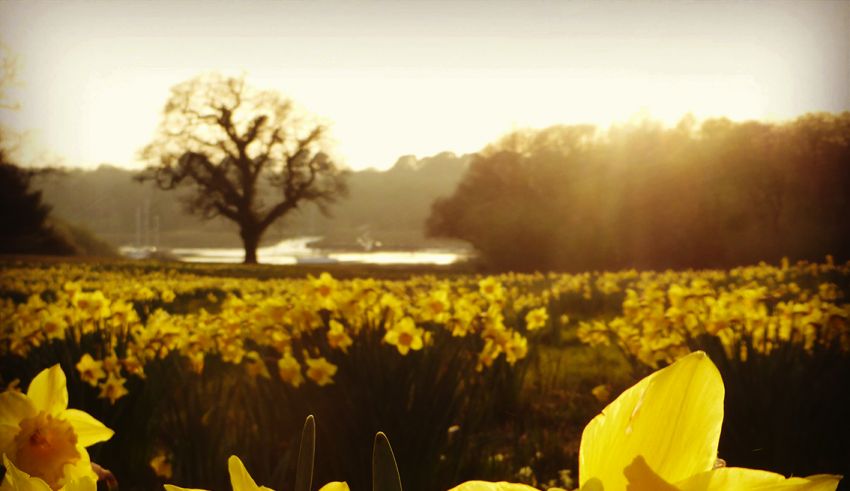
column 18, row 480
column 492, row 486
column 42, row 437
column 662, row 435
column 290, row 370
column 491, row 289
column 337, row 337
column 405, row 336
column 241, row 480
column 334, row 486
column 91, row 371
column 113, row 388
column 535, row 319
column 161, row 466
column 320, row 370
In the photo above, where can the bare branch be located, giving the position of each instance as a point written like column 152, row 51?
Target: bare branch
column 221, row 137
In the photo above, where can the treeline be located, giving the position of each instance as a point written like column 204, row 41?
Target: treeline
column 711, row 194
column 389, row 207
column 26, row 224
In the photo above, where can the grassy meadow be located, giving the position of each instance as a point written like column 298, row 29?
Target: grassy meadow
column 470, row 376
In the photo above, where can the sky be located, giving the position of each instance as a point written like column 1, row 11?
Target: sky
column 418, row 77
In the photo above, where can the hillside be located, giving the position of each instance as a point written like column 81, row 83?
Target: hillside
column 385, row 206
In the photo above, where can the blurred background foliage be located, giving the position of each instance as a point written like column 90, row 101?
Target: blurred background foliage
column 711, row 194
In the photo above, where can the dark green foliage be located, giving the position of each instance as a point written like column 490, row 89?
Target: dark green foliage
column 385, row 475
column 306, row 456
column 85, row 242
column 24, row 220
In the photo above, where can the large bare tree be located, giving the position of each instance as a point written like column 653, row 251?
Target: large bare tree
column 247, row 155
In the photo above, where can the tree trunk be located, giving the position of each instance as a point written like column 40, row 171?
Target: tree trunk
column 250, row 240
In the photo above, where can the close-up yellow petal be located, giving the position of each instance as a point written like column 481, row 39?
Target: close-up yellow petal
column 750, row 479
column 89, row 430
column 48, row 390
column 240, row 480
column 7, row 438
column 14, row 407
column 672, row 418
column 335, row 486
column 171, row 487
column 18, row 480
column 81, row 468
column 81, row 484
column 492, row 486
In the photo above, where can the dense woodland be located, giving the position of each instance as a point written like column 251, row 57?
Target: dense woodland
column 711, row 194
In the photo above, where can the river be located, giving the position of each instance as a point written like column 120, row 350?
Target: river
column 298, row 251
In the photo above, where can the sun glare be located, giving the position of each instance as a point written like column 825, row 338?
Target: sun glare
column 396, row 80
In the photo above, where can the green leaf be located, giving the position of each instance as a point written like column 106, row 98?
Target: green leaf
column 306, row 455
column 384, row 469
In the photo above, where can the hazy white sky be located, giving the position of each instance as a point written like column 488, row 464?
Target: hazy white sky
column 398, row 77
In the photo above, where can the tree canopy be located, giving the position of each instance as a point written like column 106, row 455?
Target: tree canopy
column 714, row 194
column 247, row 155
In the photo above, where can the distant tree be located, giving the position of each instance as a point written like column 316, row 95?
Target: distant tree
column 24, row 224
column 248, row 155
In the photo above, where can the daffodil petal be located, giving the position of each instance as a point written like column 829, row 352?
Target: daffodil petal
column 171, row 487
column 7, row 438
column 48, row 390
column 81, row 484
column 335, row 486
column 592, row 484
column 81, row 468
column 492, row 486
column 641, row 477
column 14, row 407
column 18, row 480
column 240, row 480
column 756, row 480
column 671, row 418
column 89, row 430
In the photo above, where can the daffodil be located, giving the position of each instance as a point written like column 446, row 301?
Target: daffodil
column 662, row 435
column 42, row 437
column 337, row 337
column 290, row 370
column 320, row 370
column 405, row 336
column 18, row 480
column 113, row 388
column 91, row 371
column 161, row 465
column 535, row 319
column 492, row 486
column 241, row 480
